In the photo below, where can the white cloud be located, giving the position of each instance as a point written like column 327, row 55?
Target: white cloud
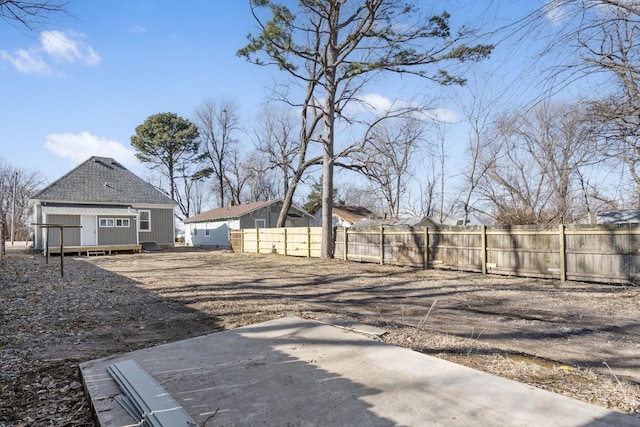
column 26, row 61
column 376, row 102
column 442, row 114
column 78, row 147
column 137, row 29
column 60, row 46
column 68, row 46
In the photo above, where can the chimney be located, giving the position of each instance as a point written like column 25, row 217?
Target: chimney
column 231, row 203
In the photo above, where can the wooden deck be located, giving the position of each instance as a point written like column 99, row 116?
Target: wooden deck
column 96, row 250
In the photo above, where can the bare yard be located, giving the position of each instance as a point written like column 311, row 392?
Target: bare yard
column 578, row 339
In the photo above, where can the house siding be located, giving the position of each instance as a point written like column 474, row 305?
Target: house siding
column 196, row 233
column 71, row 235
column 38, row 239
column 249, row 220
column 117, row 235
column 221, row 220
column 162, row 227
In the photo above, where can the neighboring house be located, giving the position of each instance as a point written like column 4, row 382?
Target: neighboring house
column 116, row 210
column 211, row 228
column 397, row 222
column 630, row 216
column 344, row 216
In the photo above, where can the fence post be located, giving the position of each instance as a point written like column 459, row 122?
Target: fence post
column 483, row 251
column 284, row 234
column 563, row 253
column 308, row 242
column 241, row 240
column 382, row 245
column 345, row 255
column 257, row 240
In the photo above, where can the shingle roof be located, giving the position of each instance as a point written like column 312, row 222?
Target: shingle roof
column 352, row 213
column 102, row 180
column 237, row 211
column 229, row 211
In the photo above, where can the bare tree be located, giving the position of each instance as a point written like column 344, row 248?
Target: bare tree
column 477, row 114
column 217, row 123
column 333, row 48
column 278, row 141
column 188, row 192
column 30, row 13
column 16, row 187
column 616, row 122
column 532, row 174
column 262, row 181
column 386, row 158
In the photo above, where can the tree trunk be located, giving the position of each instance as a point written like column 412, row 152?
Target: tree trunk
column 328, row 140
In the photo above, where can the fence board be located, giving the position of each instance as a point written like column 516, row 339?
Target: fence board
column 576, row 252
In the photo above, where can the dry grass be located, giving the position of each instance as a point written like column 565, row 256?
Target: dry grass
column 113, row 304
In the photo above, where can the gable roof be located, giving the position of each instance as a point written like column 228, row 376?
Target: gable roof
column 102, row 180
column 352, row 214
column 234, row 211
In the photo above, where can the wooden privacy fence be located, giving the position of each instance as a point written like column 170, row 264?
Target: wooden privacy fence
column 600, row 253
column 289, row 241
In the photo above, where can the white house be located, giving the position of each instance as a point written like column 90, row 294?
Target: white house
column 211, row 228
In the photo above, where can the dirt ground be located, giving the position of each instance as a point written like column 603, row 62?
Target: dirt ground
column 577, row 339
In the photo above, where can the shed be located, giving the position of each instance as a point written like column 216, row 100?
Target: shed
column 211, row 228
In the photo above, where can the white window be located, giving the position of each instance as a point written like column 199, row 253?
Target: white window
column 122, row 222
column 145, row 220
column 206, row 230
column 106, row 222
column 261, row 223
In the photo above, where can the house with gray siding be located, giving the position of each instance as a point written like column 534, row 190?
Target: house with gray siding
column 211, row 228
column 109, row 206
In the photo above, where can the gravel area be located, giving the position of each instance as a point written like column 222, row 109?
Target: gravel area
column 578, row 339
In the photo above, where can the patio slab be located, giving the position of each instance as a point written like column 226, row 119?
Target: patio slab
column 298, row 372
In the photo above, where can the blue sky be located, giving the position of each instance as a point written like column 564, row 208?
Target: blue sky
column 79, row 85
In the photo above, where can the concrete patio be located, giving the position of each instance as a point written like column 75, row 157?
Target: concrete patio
column 297, row 372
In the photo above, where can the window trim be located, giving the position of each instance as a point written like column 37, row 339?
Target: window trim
column 106, row 222
column 262, row 221
column 124, row 222
column 142, row 221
